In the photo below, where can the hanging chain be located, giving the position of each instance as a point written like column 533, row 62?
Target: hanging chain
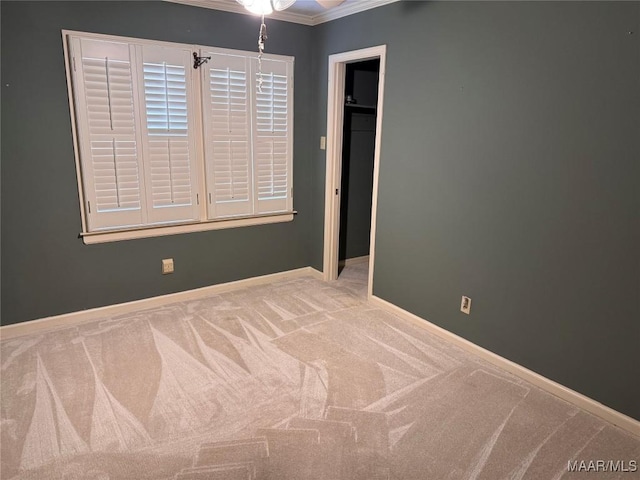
column 261, row 39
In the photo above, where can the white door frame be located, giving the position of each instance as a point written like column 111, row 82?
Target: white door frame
column 335, row 120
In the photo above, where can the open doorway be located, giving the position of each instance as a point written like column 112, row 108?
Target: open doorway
column 354, row 123
column 358, row 148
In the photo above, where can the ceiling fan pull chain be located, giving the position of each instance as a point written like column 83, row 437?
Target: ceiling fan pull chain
column 261, row 39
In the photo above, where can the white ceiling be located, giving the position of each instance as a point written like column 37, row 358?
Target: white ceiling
column 306, row 12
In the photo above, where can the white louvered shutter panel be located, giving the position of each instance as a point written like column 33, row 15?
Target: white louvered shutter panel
column 168, row 133
column 111, row 164
column 273, row 135
column 226, row 108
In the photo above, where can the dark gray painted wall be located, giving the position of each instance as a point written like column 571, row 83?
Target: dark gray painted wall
column 46, row 269
column 509, row 173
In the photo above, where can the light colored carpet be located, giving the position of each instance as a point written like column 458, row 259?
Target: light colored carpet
column 297, row 379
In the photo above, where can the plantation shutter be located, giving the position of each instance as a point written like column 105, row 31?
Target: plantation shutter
column 168, row 133
column 227, row 141
column 273, row 135
column 104, row 89
column 148, row 126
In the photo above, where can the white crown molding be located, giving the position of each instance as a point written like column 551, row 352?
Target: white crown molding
column 347, row 9
column 343, row 10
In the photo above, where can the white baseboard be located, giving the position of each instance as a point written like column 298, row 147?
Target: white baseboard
column 48, row 323
column 606, row 413
column 610, row 415
column 355, row 260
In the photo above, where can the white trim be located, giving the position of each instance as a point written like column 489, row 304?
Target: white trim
column 376, row 169
column 334, row 13
column 44, row 324
column 596, row 408
column 74, row 132
column 200, row 223
column 335, row 120
column 132, row 234
column 354, row 261
column 347, row 9
column 67, row 319
column 199, row 126
column 335, row 113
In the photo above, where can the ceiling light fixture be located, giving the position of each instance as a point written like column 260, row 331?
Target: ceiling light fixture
column 265, row 7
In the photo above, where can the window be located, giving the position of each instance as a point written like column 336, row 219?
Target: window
column 164, row 148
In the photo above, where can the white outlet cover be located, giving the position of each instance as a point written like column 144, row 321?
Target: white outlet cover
column 167, row 265
column 465, row 305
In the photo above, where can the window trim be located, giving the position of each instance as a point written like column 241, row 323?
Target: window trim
column 151, row 230
column 90, row 238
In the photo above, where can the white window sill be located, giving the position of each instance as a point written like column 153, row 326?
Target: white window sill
column 159, row 231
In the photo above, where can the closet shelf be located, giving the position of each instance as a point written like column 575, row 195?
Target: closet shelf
column 363, row 107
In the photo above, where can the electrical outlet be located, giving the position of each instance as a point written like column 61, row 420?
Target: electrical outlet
column 465, row 305
column 167, row 265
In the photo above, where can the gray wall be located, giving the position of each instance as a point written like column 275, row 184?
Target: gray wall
column 46, row 269
column 509, row 173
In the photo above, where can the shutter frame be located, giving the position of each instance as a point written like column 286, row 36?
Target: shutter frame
column 273, row 150
column 171, row 168
column 119, row 138
column 97, row 140
column 226, row 106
